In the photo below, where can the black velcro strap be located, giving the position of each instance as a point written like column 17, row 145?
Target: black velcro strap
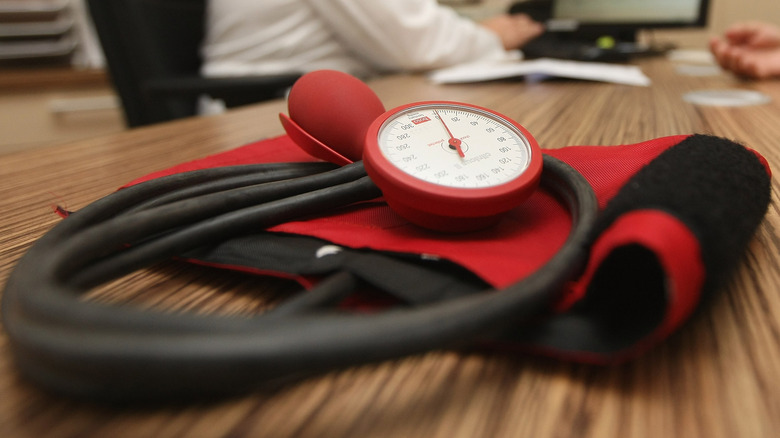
column 412, row 278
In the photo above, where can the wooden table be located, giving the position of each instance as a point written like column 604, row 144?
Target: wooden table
column 717, row 377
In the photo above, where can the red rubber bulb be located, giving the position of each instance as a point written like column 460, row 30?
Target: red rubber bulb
column 336, row 109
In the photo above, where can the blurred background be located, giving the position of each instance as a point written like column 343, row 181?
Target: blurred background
column 54, row 87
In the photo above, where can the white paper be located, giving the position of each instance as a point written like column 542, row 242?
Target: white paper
column 593, row 71
column 692, row 56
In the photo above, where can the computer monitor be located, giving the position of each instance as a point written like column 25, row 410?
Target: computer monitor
column 625, row 17
column 605, row 29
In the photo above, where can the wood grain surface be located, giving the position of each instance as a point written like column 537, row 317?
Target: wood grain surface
column 719, row 376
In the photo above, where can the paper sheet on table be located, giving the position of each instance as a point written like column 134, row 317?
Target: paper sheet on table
column 593, row 71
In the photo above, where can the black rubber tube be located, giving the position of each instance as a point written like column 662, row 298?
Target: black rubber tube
column 228, row 182
column 203, row 220
column 91, row 350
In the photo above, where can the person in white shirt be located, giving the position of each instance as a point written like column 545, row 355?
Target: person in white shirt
column 360, row 37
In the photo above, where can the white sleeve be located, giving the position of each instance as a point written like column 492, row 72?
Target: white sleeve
column 407, row 34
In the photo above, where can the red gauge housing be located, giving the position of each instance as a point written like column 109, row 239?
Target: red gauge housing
column 443, row 207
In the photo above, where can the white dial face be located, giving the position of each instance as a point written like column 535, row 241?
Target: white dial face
column 454, row 146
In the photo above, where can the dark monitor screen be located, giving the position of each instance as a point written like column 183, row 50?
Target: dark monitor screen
column 576, row 29
column 645, row 14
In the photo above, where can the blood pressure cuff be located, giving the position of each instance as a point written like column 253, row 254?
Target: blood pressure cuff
column 676, row 215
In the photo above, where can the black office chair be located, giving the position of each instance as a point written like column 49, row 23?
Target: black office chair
column 152, row 50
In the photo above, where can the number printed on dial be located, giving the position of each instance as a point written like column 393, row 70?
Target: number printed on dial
column 454, row 146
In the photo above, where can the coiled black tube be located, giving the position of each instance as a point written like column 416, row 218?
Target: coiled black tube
column 91, row 350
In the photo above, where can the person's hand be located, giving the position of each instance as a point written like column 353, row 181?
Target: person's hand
column 754, row 34
column 513, row 30
column 749, row 49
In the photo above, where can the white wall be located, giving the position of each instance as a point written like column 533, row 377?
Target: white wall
column 722, row 14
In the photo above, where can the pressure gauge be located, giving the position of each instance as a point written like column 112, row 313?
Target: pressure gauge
column 451, row 166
